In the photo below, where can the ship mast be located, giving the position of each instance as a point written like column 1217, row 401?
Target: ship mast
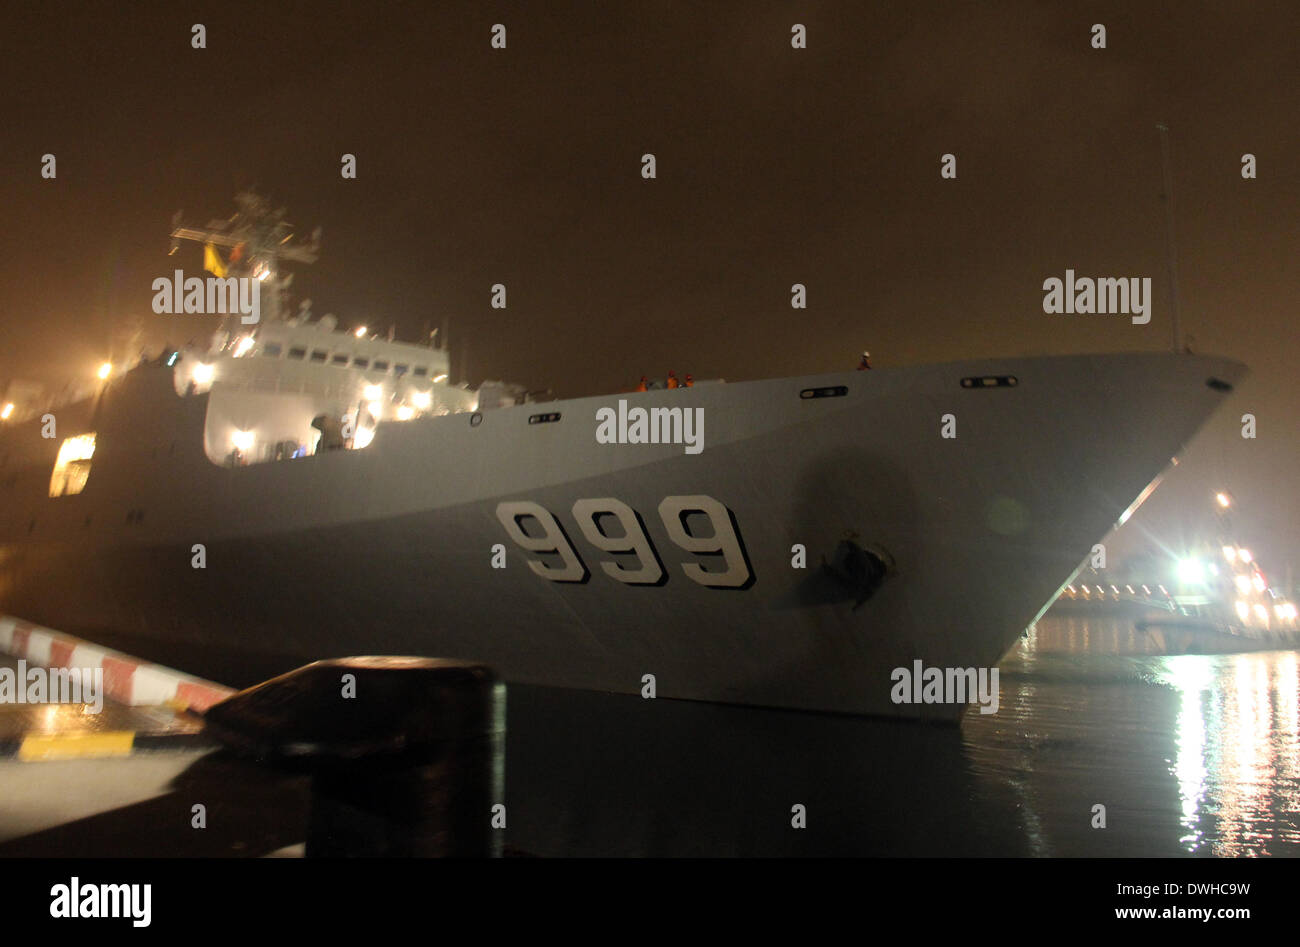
column 258, row 239
column 1168, row 197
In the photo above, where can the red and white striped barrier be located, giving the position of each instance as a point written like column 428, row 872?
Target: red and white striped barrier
column 127, row 680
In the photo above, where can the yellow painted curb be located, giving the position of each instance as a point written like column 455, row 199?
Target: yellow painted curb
column 71, row 746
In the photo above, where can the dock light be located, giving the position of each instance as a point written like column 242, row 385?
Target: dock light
column 1287, row 610
column 422, row 399
column 1258, row 582
column 264, row 274
column 360, row 332
column 1190, row 571
column 376, row 410
column 1229, row 553
column 105, row 370
column 242, row 439
column 1224, row 500
column 1261, row 613
column 439, row 377
column 243, row 345
column 363, row 437
column 405, row 412
column 1243, row 610
column 7, row 411
column 373, row 392
column 203, row 373
column 1243, row 584
column 1244, row 554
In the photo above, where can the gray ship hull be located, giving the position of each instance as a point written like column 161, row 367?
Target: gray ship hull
column 391, row 549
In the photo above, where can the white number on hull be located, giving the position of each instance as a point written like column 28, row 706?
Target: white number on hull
column 724, row 542
column 633, row 540
column 723, row 550
column 553, row 542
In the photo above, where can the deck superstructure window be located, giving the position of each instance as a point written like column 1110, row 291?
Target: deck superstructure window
column 420, row 371
column 359, row 362
column 400, row 370
column 72, row 468
column 340, row 359
column 297, row 352
column 381, row 365
column 318, row 356
column 271, row 350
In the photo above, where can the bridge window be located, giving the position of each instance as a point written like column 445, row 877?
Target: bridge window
column 340, row 360
column 318, row 356
column 297, row 352
column 400, row 370
column 381, row 365
column 271, row 350
column 360, row 362
column 72, row 468
column 421, row 371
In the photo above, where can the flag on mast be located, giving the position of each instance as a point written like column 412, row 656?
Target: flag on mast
column 212, row 261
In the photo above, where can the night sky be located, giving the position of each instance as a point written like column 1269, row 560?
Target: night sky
column 820, row 166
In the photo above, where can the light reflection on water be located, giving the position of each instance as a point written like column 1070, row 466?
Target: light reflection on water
column 1190, row 754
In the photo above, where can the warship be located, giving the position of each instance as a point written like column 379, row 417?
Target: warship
column 298, row 491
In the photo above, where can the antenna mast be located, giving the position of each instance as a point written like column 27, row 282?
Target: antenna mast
column 1168, row 197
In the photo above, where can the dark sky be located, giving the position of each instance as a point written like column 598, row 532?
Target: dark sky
column 776, row 166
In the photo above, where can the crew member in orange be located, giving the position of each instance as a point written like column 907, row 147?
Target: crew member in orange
column 690, row 380
column 865, row 364
column 642, row 386
column 672, row 380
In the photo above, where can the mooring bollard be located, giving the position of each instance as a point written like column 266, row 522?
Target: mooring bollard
column 407, row 755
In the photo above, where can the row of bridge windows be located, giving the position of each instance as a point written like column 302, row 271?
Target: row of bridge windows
column 342, row 360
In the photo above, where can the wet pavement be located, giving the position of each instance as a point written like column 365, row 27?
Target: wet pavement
column 134, row 781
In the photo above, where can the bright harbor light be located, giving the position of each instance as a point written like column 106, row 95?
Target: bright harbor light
column 363, row 437
column 203, row 373
column 1223, row 499
column 7, row 411
column 243, row 440
column 439, row 377
column 405, row 412
column 243, row 345
column 1191, row 571
column 373, row 392
column 105, row 370
column 360, row 332
column 422, row 400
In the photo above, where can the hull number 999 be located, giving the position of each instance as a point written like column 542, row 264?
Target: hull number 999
column 613, row 527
